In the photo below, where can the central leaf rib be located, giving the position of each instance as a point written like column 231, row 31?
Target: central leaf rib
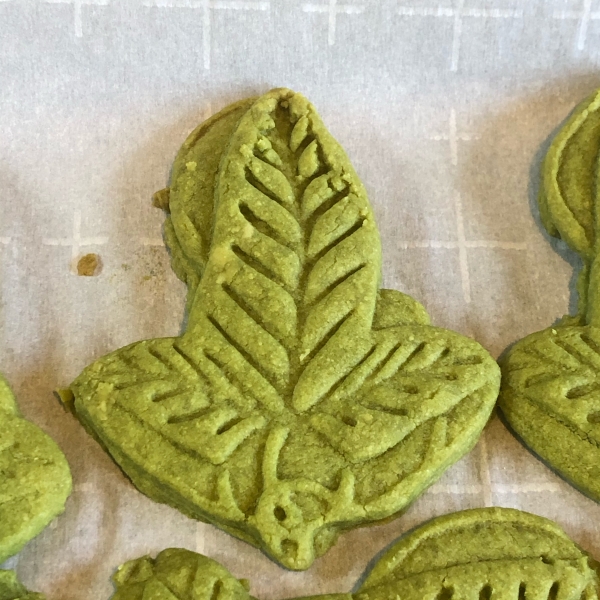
column 294, row 259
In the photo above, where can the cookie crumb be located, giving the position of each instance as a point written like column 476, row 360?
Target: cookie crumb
column 161, row 199
column 88, row 265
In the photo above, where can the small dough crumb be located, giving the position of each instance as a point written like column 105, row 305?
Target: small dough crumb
column 88, row 265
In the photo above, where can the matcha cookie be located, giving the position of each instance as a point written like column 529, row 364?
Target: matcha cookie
column 478, row 554
column 551, row 380
column 35, row 480
column 301, row 400
column 12, row 589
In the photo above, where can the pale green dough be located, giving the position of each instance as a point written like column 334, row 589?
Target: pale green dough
column 35, row 480
column 12, row 589
column 395, row 308
column 190, row 200
column 301, row 400
column 478, row 554
column 177, row 574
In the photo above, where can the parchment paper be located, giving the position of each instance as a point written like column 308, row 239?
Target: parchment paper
column 445, row 110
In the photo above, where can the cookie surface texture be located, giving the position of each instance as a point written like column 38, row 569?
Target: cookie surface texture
column 551, row 380
column 177, row 574
column 481, row 553
column 301, row 400
column 12, row 589
column 484, row 553
column 35, row 480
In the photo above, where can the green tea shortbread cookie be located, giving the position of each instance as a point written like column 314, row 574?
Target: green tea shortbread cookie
column 301, row 399
column 551, row 379
column 481, row 554
column 12, row 589
column 35, row 480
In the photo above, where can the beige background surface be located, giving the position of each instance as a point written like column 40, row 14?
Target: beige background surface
column 445, row 110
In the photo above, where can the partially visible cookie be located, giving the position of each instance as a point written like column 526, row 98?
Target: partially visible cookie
column 12, row 589
column 481, row 554
column 550, row 393
column 484, row 553
column 177, row 574
column 35, row 480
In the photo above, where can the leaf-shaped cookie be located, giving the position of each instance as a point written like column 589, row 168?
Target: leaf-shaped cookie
column 551, row 398
column 35, row 480
column 301, row 399
column 476, row 554
column 177, row 574
column 568, row 194
column 190, row 200
column 12, row 589
column 551, row 385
